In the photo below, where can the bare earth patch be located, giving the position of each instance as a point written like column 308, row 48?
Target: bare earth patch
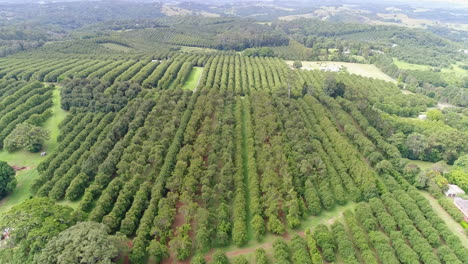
column 20, row 168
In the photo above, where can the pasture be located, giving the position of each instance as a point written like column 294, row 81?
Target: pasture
column 366, row 70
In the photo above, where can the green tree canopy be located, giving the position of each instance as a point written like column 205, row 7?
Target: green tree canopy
column 462, row 163
column 297, row 64
column 26, row 136
column 7, row 179
column 459, row 177
column 435, row 115
column 333, row 88
column 31, row 224
column 85, row 242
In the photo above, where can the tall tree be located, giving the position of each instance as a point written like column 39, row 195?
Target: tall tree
column 85, row 242
column 31, row 224
column 7, row 179
column 26, row 136
column 333, row 88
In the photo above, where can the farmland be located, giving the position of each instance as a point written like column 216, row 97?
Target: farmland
column 366, row 70
column 187, row 139
column 29, row 160
column 221, row 151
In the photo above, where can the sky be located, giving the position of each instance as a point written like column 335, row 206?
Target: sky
column 460, row 2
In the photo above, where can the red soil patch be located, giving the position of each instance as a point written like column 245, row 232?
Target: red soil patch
column 244, row 251
column 17, row 168
column 172, row 259
column 209, row 256
column 238, row 252
column 179, row 218
column 286, row 236
column 126, row 258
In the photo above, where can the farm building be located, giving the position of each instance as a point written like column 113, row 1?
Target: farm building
column 462, row 204
column 454, row 191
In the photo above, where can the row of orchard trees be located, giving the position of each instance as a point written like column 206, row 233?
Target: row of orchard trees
column 232, row 182
column 225, row 168
column 384, row 95
column 200, row 186
column 399, row 227
column 23, row 102
column 91, row 138
column 240, row 75
column 184, row 172
column 142, row 70
column 234, row 73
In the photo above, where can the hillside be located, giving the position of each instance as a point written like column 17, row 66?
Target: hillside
column 194, row 139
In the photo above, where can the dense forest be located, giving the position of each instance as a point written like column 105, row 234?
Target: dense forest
column 191, row 139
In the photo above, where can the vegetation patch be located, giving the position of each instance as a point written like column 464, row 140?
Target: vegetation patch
column 116, row 47
column 410, row 66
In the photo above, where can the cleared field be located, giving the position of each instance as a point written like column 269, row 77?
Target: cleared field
column 30, row 160
column 196, row 49
column 193, row 79
column 366, row 70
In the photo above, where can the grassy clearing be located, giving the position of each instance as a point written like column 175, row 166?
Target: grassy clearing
column 30, row 160
column 366, row 70
column 58, row 114
column 451, row 74
column 116, row 47
column 22, row 192
column 410, row 66
column 454, row 74
column 192, row 80
column 455, row 227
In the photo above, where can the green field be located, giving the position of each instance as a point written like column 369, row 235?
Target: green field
column 454, row 69
column 409, row 66
column 30, row 160
column 451, row 75
column 192, row 80
column 366, row 70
